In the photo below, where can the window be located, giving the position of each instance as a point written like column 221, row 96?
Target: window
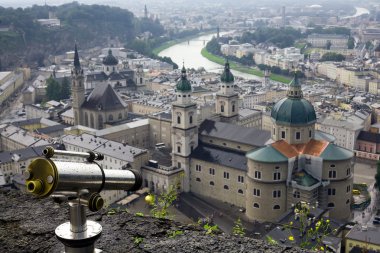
column 331, row 191
column 191, row 119
column 222, row 108
column 277, row 176
column 277, row 194
column 274, row 131
column 308, row 161
column 283, row 134
column 226, row 187
column 332, row 165
column 256, row 192
column 178, row 119
column 233, row 108
column 332, row 174
column 198, row 179
column 179, row 165
column 348, row 171
column 348, row 189
column 212, row 183
column 179, row 149
column 348, row 201
column 298, row 135
column 258, row 174
column 331, row 204
column 296, row 194
column 240, row 179
column 212, row 171
column 198, row 167
column 309, row 133
column 226, row 175
column 240, row 191
column 276, row 207
column 256, row 205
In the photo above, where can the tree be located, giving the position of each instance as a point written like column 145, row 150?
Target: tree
column 332, row 57
column 377, row 176
column 65, row 88
column 53, row 89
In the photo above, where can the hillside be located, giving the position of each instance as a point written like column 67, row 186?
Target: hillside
column 91, row 25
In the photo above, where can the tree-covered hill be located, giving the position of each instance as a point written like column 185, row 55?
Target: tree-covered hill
column 89, row 25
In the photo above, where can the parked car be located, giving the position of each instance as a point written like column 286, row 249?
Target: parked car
column 376, row 222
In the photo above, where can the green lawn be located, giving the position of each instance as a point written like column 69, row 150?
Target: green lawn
column 241, row 68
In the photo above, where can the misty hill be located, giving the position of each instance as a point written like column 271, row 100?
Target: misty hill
column 27, row 41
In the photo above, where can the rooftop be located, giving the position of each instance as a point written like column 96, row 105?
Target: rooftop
column 231, row 132
column 370, row 235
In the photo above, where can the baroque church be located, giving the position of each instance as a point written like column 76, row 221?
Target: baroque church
column 265, row 173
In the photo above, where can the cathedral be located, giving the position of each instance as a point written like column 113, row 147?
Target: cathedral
column 264, row 172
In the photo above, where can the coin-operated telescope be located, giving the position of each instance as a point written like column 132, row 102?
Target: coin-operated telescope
column 80, row 183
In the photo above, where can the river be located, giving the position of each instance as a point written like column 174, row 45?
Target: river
column 189, row 52
column 359, row 11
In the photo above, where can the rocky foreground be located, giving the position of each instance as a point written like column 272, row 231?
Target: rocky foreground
column 27, row 225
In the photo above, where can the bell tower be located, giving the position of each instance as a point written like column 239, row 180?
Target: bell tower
column 226, row 99
column 77, row 89
column 184, row 128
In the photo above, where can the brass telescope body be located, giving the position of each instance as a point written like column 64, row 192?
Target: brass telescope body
column 82, row 182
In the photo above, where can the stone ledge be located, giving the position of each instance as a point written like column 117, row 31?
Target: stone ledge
column 27, row 224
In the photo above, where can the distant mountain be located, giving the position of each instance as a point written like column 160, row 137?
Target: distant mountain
column 24, row 40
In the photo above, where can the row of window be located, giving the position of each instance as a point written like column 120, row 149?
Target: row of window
column 257, row 205
column 297, row 135
column 275, row 193
column 226, row 175
column 222, row 108
column 190, row 119
column 226, row 187
column 276, row 175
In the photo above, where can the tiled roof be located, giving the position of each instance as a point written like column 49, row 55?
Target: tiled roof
column 105, row 98
column 267, row 154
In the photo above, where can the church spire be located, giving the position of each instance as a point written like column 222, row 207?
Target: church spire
column 76, row 58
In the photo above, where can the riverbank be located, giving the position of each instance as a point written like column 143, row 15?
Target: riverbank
column 171, row 43
column 242, row 68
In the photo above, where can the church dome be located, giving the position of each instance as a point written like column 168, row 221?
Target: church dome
column 294, row 109
column 110, row 60
column 227, row 76
column 183, row 84
column 289, row 111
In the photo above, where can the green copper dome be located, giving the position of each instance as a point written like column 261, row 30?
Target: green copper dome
column 290, row 111
column 227, row 76
column 183, row 84
column 110, row 60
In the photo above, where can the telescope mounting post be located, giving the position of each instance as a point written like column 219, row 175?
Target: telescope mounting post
column 79, row 234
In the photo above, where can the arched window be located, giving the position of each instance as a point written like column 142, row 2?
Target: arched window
column 178, row 119
column 222, row 108
column 240, row 191
column 226, row 187
column 141, row 80
column 110, row 117
column 256, row 205
column 191, row 119
column 276, row 207
column 86, row 119
column 233, row 108
column 331, row 204
column 212, row 183
column 113, row 68
column 100, row 121
column 92, row 120
column 179, row 149
column 120, row 116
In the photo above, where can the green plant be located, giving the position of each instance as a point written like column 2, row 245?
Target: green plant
column 238, row 228
column 173, row 234
column 138, row 240
column 210, row 230
column 139, row 214
column 271, row 241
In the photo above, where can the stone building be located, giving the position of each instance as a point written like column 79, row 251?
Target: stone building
column 103, row 105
